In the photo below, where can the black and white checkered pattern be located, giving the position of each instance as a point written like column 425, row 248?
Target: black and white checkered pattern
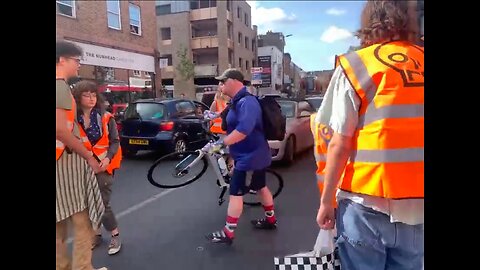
column 327, row 262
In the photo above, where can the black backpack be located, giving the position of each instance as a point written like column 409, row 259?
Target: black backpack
column 274, row 122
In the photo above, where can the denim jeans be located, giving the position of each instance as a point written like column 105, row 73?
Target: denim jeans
column 367, row 240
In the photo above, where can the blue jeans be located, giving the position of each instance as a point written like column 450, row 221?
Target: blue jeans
column 367, row 240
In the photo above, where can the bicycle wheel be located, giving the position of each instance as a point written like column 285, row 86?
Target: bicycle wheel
column 273, row 181
column 168, row 171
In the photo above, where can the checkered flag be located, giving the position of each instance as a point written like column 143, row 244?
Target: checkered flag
column 327, row 262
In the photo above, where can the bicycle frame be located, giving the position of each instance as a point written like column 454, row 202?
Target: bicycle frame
column 212, row 159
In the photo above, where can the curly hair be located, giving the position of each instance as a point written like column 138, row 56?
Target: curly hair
column 91, row 87
column 387, row 21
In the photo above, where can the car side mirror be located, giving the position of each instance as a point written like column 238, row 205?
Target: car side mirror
column 304, row 114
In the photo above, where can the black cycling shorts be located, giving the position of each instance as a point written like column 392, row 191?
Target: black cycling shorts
column 239, row 185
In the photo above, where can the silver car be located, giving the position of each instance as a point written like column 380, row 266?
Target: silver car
column 298, row 136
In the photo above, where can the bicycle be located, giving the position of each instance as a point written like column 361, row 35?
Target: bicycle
column 218, row 162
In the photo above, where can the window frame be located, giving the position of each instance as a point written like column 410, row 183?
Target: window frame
column 119, row 16
column 130, row 5
column 74, row 10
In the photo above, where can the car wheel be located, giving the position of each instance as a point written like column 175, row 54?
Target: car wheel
column 180, row 145
column 129, row 153
column 289, row 153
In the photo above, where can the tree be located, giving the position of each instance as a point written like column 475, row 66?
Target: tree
column 186, row 66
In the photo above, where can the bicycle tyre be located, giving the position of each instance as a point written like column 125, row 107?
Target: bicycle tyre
column 274, row 193
column 168, row 156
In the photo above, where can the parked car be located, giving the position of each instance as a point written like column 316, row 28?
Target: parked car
column 298, row 136
column 315, row 101
column 162, row 125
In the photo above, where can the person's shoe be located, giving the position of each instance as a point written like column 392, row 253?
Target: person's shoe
column 97, row 240
column 264, row 224
column 102, row 268
column 219, row 237
column 115, row 245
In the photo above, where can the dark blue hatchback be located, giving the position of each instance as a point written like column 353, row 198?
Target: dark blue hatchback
column 162, row 125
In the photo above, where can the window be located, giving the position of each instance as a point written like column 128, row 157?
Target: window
column 240, row 62
column 109, row 74
column 169, row 57
column 247, row 65
column 253, row 63
column 185, row 107
column 246, row 19
column 194, row 4
column 113, row 14
column 145, row 111
column 246, row 42
column 253, row 44
column 204, row 4
column 166, row 33
column 137, row 73
column 163, row 9
column 239, row 12
column 229, row 5
column 240, row 36
column 135, row 21
column 67, row 8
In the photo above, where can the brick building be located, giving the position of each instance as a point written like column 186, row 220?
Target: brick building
column 216, row 34
column 118, row 39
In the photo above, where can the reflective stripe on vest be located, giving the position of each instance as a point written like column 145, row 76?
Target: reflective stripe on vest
column 70, row 114
column 387, row 160
column 100, row 149
column 217, row 122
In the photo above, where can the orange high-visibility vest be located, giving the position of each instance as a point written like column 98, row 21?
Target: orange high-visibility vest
column 217, row 122
column 100, row 149
column 387, row 157
column 60, row 147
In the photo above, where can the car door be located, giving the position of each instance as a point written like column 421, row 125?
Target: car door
column 189, row 122
column 305, row 111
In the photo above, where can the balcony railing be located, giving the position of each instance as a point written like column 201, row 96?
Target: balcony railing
column 204, row 42
column 203, row 14
column 206, row 70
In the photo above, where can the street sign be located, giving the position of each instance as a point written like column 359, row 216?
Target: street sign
column 256, row 70
column 256, row 78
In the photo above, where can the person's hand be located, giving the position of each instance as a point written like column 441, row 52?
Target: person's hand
column 207, row 114
column 326, row 216
column 104, row 163
column 94, row 164
column 215, row 147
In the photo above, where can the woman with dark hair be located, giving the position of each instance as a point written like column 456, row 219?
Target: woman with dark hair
column 99, row 133
column 372, row 167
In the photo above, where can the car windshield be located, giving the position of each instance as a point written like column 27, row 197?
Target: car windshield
column 145, row 111
column 288, row 108
column 315, row 102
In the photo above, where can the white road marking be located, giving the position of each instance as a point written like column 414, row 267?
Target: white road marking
column 137, row 206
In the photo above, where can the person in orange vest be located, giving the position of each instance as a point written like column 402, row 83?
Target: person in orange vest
column 374, row 162
column 218, row 105
column 78, row 198
column 99, row 134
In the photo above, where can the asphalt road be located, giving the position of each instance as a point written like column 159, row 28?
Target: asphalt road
column 164, row 229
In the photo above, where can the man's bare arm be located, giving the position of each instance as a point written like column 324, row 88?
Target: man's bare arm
column 67, row 138
column 338, row 153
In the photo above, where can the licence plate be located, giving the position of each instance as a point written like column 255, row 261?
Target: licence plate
column 137, row 141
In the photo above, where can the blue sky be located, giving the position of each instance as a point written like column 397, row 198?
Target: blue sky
column 319, row 29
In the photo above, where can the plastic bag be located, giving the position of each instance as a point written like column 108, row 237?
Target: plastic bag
column 325, row 243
